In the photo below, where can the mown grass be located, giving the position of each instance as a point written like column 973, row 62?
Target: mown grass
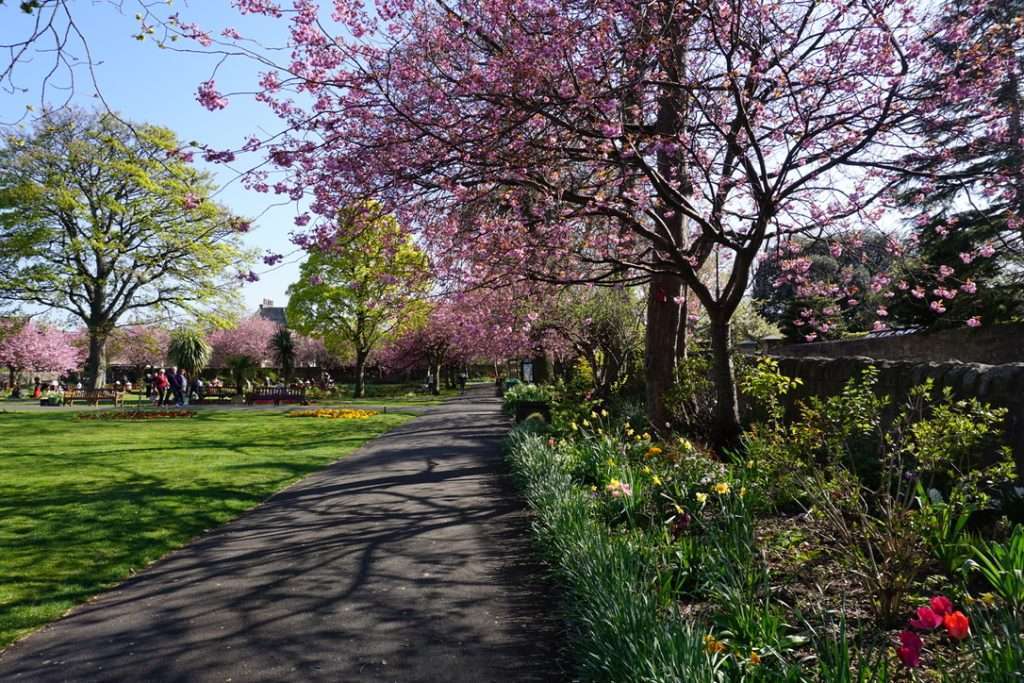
column 84, row 504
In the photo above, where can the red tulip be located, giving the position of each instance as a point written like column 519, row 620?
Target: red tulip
column 909, row 650
column 927, row 619
column 941, row 605
column 957, row 625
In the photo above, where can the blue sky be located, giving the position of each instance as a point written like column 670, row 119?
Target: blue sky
column 145, row 83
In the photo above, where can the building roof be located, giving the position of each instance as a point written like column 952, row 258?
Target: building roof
column 275, row 314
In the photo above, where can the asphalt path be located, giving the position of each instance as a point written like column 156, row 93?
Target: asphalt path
column 406, row 561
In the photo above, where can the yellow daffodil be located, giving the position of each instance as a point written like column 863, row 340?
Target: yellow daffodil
column 646, row 469
column 679, row 509
column 743, row 491
column 611, row 463
column 586, row 423
column 988, row 598
column 647, row 437
column 755, row 658
column 701, row 498
column 630, row 431
column 574, row 426
column 656, row 479
column 713, row 645
column 604, row 413
column 593, row 414
column 722, row 488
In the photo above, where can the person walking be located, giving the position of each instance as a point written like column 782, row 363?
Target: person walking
column 178, row 382
column 186, row 386
column 161, row 385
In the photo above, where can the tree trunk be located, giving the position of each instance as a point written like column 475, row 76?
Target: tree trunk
column 360, row 388
column 727, row 413
column 96, row 364
column 435, row 389
column 660, row 352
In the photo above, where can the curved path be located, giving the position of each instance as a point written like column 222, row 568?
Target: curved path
column 406, row 561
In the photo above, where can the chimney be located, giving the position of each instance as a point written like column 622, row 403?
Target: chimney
column 267, row 303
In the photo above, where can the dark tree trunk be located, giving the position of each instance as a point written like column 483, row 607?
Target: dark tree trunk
column 96, row 363
column 727, row 414
column 660, row 352
column 360, row 388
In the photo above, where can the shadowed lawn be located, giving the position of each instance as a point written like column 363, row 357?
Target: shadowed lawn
column 84, row 504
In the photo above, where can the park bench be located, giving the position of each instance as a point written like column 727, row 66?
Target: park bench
column 93, row 396
column 277, row 395
column 217, row 394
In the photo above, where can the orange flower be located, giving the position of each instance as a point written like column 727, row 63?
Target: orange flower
column 957, row 625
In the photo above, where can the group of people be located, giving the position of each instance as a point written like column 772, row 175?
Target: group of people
column 174, row 385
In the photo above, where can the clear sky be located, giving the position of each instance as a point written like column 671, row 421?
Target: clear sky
column 144, row 83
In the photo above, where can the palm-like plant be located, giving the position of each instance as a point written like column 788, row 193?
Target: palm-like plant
column 189, row 350
column 283, row 345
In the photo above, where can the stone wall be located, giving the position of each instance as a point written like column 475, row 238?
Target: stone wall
column 999, row 385
column 995, row 345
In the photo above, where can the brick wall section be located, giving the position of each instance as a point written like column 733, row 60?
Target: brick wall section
column 999, row 385
column 995, row 345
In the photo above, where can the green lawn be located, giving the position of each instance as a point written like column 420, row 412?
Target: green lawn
column 84, row 504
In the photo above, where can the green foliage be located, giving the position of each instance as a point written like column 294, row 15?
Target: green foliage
column 997, row 645
column 189, row 350
column 243, row 370
column 99, row 220
column 524, row 393
column 283, row 345
column 364, row 290
column 690, row 402
column 1002, row 566
column 944, row 528
column 619, row 628
column 955, row 445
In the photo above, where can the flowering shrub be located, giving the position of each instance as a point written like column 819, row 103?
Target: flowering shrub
column 335, row 413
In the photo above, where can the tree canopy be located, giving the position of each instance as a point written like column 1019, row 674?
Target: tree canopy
column 361, row 289
column 100, row 219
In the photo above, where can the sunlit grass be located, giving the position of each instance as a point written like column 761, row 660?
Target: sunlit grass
column 84, row 504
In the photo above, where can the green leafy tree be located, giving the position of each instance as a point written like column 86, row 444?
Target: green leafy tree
column 189, row 350
column 100, row 220
column 358, row 293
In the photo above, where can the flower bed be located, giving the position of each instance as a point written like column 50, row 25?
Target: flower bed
column 335, row 413
column 137, row 415
column 821, row 550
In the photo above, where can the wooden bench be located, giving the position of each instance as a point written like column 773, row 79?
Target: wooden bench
column 276, row 394
column 217, row 394
column 93, row 396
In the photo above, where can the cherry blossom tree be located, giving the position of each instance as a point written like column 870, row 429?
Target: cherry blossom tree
column 28, row 346
column 603, row 140
column 250, row 338
column 140, row 345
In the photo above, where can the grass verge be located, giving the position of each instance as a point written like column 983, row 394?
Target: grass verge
column 84, row 504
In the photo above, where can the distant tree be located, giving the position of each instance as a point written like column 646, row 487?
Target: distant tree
column 249, row 338
column 140, row 345
column 605, row 326
column 284, row 348
column 357, row 292
column 820, row 289
column 27, row 346
column 189, row 350
column 101, row 220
